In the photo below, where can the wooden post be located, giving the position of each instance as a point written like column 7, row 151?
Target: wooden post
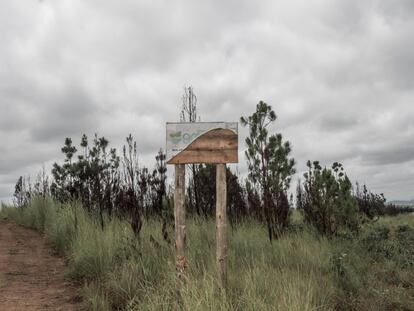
column 179, row 214
column 201, row 142
column 221, row 221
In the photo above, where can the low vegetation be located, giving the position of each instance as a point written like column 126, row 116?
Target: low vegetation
column 301, row 270
column 113, row 220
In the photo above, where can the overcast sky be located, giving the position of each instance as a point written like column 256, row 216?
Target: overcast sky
column 339, row 74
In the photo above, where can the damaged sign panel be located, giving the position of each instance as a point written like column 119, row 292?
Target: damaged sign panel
column 202, row 142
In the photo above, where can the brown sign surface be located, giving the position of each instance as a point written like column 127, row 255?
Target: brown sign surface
column 202, row 143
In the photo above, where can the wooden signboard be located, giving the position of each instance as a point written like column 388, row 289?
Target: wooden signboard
column 202, row 142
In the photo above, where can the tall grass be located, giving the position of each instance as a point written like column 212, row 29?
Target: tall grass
column 117, row 271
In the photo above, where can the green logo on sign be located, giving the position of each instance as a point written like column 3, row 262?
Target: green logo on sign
column 176, row 137
column 185, row 137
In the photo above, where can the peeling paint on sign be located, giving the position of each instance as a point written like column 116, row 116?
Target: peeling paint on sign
column 180, row 135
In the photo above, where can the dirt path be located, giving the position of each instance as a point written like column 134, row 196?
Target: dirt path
column 30, row 277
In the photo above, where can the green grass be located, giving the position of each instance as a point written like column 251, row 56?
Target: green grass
column 397, row 220
column 299, row 271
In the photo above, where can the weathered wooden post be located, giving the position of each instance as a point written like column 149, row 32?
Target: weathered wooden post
column 221, row 223
column 201, row 142
column 179, row 215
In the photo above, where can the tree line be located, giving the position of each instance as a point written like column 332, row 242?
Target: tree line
column 113, row 184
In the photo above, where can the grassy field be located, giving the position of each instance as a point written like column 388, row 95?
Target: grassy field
column 373, row 270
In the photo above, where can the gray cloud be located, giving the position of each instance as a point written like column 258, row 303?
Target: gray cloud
column 338, row 73
column 337, row 122
column 68, row 113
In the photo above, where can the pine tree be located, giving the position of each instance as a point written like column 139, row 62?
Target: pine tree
column 270, row 168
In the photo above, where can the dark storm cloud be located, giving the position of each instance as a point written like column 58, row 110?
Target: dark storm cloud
column 338, row 73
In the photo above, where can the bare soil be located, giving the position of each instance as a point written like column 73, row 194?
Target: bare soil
column 31, row 278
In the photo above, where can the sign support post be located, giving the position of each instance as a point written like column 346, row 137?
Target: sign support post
column 201, row 142
column 221, row 223
column 179, row 215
